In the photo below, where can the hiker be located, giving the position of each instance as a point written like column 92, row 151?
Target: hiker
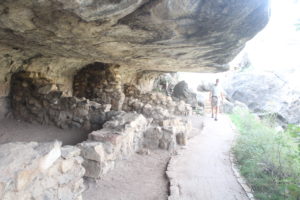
column 216, row 95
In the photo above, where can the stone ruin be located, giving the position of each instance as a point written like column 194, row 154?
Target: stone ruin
column 119, row 138
column 52, row 40
column 121, row 118
column 126, row 134
column 153, row 104
column 35, row 98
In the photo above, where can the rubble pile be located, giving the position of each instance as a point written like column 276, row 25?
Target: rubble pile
column 120, row 137
column 101, row 83
column 37, row 99
column 40, row 171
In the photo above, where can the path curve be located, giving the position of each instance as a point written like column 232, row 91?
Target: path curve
column 202, row 170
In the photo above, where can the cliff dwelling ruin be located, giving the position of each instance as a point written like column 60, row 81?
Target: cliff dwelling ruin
column 83, row 73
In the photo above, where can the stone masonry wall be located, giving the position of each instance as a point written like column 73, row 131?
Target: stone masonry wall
column 40, row 171
column 126, row 134
column 167, row 134
column 3, row 107
column 101, row 83
column 136, row 101
column 167, row 129
column 120, row 137
column 37, row 99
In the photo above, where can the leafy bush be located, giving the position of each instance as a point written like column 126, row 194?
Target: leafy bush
column 268, row 159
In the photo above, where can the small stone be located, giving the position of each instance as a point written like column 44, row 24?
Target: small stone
column 69, row 151
column 144, row 151
column 106, row 107
column 181, row 139
column 76, row 124
column 47, row 89
column 24, row 84
column 92, row 169
column 66, row 165
column 92, row 151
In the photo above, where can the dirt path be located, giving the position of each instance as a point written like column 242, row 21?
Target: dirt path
column 202, row 171
column 141, row 177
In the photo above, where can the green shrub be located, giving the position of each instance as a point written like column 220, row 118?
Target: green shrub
column 268, row 159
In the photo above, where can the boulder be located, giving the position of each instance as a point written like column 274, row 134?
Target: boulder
column 182, row 92
column 265, row 93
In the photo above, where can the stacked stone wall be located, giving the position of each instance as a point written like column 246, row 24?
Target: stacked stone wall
column 120, row 137
column 35, row 98
column 143, row 103
column 40, row 171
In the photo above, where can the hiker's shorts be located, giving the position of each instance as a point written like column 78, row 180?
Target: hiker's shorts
column 215, row 101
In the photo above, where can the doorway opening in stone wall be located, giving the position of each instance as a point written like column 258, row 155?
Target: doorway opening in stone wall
column 100, row 82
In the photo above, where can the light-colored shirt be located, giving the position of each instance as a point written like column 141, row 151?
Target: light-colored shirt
column 216, row 91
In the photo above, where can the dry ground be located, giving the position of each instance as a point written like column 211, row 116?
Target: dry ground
column 17, row 131
column 141, row 177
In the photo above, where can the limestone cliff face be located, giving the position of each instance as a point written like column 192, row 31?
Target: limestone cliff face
column 193, row 35
column 58, row 37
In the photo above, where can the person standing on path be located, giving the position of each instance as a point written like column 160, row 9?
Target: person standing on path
column 216, row 95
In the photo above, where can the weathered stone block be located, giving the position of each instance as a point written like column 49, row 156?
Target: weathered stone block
column 96, row 169
column 92, row 151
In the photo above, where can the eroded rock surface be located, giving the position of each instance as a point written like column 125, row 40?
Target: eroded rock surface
column 159, row 35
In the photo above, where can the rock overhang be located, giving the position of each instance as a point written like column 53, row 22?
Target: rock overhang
column 164, row 35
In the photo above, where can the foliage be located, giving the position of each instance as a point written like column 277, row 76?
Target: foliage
column 294, row 131
column 268, row 159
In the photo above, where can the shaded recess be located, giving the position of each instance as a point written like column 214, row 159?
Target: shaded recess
column 100, row 82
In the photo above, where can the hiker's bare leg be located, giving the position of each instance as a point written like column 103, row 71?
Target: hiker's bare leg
column 217, row 110
column 212, row 110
